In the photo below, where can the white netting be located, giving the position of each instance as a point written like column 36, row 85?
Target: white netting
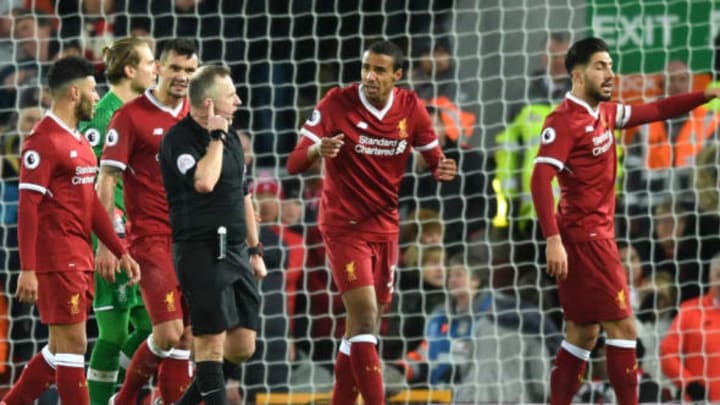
column 477, row 62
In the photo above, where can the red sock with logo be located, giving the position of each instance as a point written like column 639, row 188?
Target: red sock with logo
column 37, row 376
column 143, row 365
column 567, row 373
column 366, row 368
column 622, row 369
column 70, row 379
column 344, row 390
column 174, row 376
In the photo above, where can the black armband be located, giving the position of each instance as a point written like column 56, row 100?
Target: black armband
column 256, row 250
column 218, row 135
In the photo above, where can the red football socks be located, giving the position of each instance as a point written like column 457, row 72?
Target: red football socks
column 567, row 373
column 70, row 379
column 142, row 366
column 174, row 376
column 366, row 368
column 622, row 370
column 344, row 391
column 38, row 376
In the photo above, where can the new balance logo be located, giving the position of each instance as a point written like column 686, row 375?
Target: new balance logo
column 362, row 125
column 158, row 131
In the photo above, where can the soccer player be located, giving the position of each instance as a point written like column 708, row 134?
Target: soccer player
column 578, row 146
column 130, row 69
column 364, row 132
column 58, row 211
column 132, row 145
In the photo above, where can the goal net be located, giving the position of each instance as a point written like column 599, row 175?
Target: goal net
column 490, row 71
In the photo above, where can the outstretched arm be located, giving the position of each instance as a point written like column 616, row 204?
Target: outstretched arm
column 668, row 107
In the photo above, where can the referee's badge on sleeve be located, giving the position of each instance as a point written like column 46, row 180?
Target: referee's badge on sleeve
column 185, row 162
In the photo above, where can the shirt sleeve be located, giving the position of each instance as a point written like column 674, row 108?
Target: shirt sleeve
column 38, row 164
column 556, row 142
column 181, row 157
column 118, row 141
column 425, row 139
column 320, row 122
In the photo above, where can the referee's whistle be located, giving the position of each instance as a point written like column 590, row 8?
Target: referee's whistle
column 222, row 242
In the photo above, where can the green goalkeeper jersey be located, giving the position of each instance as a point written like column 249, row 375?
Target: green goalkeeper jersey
column 95, row 130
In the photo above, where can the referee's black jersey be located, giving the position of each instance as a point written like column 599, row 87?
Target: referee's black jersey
column 196, row 216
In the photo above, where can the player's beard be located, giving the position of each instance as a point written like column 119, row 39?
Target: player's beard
column 84, row 109
column 596, row 93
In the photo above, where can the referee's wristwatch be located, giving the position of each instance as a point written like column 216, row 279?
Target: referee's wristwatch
column 256, row 250
column 218, row 135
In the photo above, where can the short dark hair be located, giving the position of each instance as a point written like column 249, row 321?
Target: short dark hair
column 181, row 46
column 202, row 81
column 68, row 69
column 390, row 49
column 581, row 51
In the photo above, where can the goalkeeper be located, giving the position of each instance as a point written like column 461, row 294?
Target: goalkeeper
column 130, row 69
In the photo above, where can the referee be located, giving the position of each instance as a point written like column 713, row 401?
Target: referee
column 216, row 249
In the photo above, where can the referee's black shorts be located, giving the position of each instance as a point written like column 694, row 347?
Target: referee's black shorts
column 222, row 294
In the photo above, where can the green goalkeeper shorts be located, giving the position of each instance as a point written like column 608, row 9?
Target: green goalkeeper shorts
column 118, row 295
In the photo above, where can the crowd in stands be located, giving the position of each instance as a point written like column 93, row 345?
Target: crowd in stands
column 472, row 307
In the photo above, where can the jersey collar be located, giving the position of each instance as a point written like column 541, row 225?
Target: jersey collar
column 172, row 111
column 63, row 125
column 595, row 113
column 379, row 114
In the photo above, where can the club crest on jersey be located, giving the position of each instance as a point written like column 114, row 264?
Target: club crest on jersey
column 112, row 138
column 548, row 136
column 31, row 160
column 314, row 118
column 402, row 126
column 93, row 137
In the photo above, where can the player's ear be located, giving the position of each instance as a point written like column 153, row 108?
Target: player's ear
column 207, row 102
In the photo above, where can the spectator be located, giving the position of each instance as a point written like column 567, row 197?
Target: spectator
column 419, row 291
column 508, row 359
column 676, row 249
column 450, row 326
column 691, row 350
column 422, row 228
column 661, row 154
column 268, row 370
column 434, row 80
column 464, row 201
column 518, row 143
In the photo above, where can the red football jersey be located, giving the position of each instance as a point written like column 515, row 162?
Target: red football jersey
column 580, row 143
column 58, row 162
column 361, row 184
column 132, row 144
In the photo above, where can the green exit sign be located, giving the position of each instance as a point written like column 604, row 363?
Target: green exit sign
column 645, row 35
